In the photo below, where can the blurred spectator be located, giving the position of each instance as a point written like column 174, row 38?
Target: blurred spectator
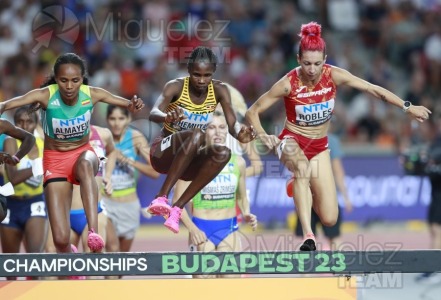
column 108, row 77
column 432, row 51
column 9, row 45
column 373, row 14
column 255, row 40
column 405, row 33
column 343, row 15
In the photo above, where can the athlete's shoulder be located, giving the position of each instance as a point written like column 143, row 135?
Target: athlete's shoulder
column 174, row 86
column 220, row 89
column 219, row 84
column 290, row 78
column 43, row 93
column 293, row 73
column 136, row 132
column 175, row 83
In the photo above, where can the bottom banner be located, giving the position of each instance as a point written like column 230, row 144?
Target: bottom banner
column 183, row 289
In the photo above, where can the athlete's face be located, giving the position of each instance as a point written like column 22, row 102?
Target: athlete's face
column 69, row 80
column 217, row 130
column 118, row 122
column 311, row 64
column 26, row 122
column 201, row 74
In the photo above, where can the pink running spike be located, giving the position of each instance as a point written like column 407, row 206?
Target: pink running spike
column 172, row 222
column 95, row 241
column 159, row 207
column 73, row 248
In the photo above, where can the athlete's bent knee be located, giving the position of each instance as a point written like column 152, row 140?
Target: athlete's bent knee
column 329, row 220
column 85, row 165
column 61, row 242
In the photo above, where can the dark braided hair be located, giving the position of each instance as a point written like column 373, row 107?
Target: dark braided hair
column 202, row 54
column 67, row 58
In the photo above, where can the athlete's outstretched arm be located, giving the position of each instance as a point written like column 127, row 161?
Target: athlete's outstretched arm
column 101, row 95
column 242, row 133
column 38, row 95
column 27, row 139
column 15, row 176
column 280, row 89
column 341, row 76
column 158, row 113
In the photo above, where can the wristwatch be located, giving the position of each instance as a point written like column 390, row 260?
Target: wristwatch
column 406, row 105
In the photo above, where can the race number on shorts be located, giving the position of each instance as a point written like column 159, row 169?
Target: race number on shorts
column 165, row 143
column 38, row 209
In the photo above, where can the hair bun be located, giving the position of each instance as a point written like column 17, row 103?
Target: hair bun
column 310, row 29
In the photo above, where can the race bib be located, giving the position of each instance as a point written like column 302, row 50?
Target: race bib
column 315, row 113
column 194, row 120
column 38, row 209
column 222, row 187
column 71, row 128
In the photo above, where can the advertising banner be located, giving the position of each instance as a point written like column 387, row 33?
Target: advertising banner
column 377, row 186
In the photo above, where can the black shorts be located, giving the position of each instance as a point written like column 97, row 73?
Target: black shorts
column 434, row 212
column 19, row 211
column 329, row 231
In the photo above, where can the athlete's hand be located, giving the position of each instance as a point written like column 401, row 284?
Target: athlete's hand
column 246, row 134
column 251, row 220
column 108, row 188
column 136, row 104
column 6, row 158
column 175, row 115
column 420, row 113
column 270, row 141
column 121, row 158
column 197, row 236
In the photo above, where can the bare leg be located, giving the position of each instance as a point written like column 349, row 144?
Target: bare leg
column 182, row 150
column 208, row 246
column 296, row 161
column 35, row 234
column 86, row 168
column 58, row 201
column 208, row 165
column 10, row 239
column 435, row 231
column 323, row 189
column 50, row 247
column 112, row 242
column 231, row 243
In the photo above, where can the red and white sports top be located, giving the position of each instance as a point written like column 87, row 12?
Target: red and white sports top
column 310, row 106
